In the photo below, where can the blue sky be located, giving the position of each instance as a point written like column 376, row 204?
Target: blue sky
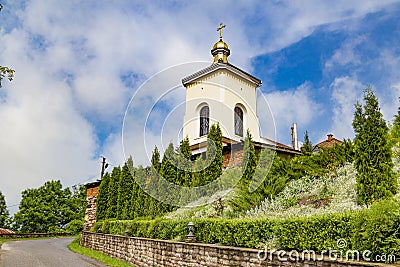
column 78, row 64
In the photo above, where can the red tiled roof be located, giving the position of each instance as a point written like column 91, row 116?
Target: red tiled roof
column 6, row 231
column 329, row 143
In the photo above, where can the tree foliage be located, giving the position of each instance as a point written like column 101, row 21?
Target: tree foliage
column 4, row 213
column 113, row 193
column 49, row 208
column 169, row 164
column 155, row 159
column 5, row 71
column 214, row 157
column 395, row 129
column 249, row 162
column 184, row 163
column 307, row 147
column 124, row 191
column 373, row 158
column 102, row 197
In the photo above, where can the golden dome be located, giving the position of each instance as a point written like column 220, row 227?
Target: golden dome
column 220, row 44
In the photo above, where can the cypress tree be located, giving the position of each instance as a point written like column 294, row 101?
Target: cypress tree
column 155, row 159
column 113, row 193
column 102, row 198
column 373, row 158
column 168, row 174
column 138, row 195
column 214, row 157
column 124, row 192
column 168, row 168
column 4, row 213
column 184, row 163
column 307, row 147
column 249, row 162
column 395, row 131
column 198, row 173
column 152, row 188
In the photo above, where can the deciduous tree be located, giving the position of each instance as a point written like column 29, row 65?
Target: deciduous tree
column 48, row 208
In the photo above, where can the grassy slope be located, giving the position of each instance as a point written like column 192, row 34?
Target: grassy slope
column 109, row 261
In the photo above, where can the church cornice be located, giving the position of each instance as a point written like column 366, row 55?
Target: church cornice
column 221, row 66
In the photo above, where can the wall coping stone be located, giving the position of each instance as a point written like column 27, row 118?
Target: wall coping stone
column 215, row 248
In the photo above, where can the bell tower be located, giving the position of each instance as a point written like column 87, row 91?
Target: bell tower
column 221, row 93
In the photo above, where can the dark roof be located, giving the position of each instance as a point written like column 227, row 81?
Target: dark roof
column 272, row 145
column 93, row 184
column 218, row 66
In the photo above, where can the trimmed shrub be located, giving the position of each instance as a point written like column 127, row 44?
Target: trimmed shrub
column 376, row 229
column 75, row 226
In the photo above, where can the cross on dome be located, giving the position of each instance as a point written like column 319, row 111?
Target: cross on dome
column 221, row 26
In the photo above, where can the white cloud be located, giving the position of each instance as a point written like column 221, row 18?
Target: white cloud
column 288, row 107
column 345, row 93
column 346, row 54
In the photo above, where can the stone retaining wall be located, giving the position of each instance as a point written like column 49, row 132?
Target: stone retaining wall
column 144, row 252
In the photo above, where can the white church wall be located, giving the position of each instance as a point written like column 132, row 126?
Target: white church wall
column 222, row 91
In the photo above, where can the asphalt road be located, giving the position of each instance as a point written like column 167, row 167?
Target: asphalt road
column 43, row 252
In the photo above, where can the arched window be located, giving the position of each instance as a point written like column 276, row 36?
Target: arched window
column 204, row 120
column 238, row 121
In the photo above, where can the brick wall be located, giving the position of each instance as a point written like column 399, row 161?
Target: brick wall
column 149, row 252
column 92, row 190
column 233, row 158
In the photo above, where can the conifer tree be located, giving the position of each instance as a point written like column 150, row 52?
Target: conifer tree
column 113, row 193
column 138, row 195
column 4, row 213
column 184, row 163
column 168, row 177
column 155, row 159
column 214, row 157
column 102, row 198
column 395, row 131
column 373, row 159
column 169, row 164
column 152, row 188
column 125, row 191
column 307, row 147
column 249, row 162
column 198, row 173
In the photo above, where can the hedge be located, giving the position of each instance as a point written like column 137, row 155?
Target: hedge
column 376, row 229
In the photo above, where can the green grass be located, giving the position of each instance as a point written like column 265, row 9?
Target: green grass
column 77, row 248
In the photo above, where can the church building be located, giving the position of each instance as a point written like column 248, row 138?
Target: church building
column 223, row 93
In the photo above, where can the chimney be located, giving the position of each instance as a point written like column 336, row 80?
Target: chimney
column 330, row 136
column 295, row 139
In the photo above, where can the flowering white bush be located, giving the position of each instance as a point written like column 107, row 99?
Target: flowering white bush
column 338, row 189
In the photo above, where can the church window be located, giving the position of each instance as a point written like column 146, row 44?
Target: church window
column 204, row 120
column 238, row 121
